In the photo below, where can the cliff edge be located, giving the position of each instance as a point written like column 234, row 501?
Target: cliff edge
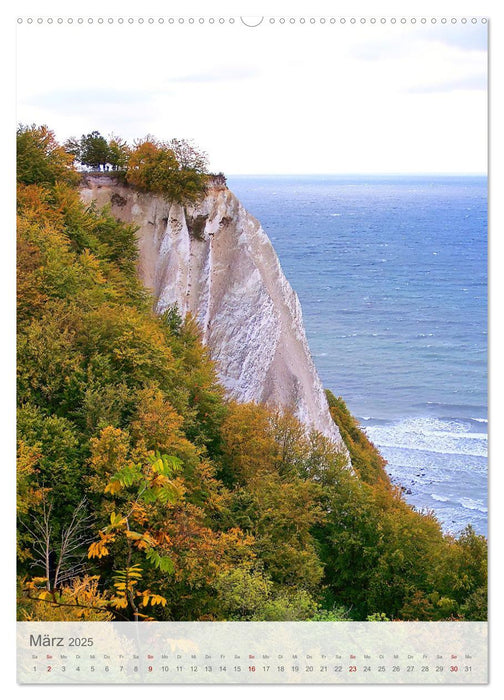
column 214, row 260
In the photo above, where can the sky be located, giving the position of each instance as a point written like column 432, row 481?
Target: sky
column 275, row 98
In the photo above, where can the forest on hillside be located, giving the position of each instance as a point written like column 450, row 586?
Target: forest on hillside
column 145, row 493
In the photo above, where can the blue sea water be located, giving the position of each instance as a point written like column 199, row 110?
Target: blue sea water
column 391, row 273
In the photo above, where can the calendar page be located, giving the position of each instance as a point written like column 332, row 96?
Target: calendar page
column 252, row 349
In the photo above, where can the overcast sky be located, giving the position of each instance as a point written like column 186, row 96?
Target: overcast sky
column 271, row 99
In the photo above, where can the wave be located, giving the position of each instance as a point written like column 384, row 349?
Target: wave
column 472, row 504
column 430, row 435
column 436, row 497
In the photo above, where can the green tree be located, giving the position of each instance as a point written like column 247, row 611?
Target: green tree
column 94, row 150
column 118, row 152
column 366, row 460
column 40, row 158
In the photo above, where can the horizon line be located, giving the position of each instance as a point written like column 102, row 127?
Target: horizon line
column 361, row 174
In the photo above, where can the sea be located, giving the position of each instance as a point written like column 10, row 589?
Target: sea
column 391, row 273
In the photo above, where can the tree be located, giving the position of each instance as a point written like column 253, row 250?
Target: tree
column 366, row 460
column 73, row 146
column 118, row 152
column 188, row 156
column 61, row 559
column 135, row 494
column 40, row 158
column 153, row 166
column 94, row 150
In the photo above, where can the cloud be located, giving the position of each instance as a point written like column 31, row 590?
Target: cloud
column 122, row 111
column 99, row 98
column 465, row 37
column 468, row 37
column 469, row 82
column 218, row 74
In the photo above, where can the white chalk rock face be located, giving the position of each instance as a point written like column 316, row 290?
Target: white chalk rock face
column 214, row 260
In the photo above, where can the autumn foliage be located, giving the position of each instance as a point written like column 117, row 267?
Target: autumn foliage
column 156, row 497
column 153, row 166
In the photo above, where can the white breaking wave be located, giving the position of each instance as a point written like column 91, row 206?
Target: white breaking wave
column 443, row 499
column 430, row 435
column 472, row 504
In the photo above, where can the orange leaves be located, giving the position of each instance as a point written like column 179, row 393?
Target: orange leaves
column 99, row 549
column 41, row 159
column 138, row 492
column 141, row 541
column 248, row 443
column 113, row 487
column 119, row 602
column 200, row 553
column 35, row 583
column 139, row 513
column 153, row 167
column 79, row 599
column 149, row 598
column 161, row 426
column 109, row 451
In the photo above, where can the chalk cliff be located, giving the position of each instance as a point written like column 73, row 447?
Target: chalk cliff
column 214, row 260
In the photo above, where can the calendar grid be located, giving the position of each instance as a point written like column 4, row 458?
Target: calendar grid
column 252, row 652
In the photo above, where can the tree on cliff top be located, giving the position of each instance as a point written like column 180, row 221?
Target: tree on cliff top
column 118, row 152
column 175, row 170
column 94, row 151
column 188, row 156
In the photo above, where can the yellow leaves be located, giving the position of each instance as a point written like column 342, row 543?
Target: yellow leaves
column 141, row 541
column 124, row 584
column 113, row 487
column 248, row 441
column 149, row 598
column 27, row 461
column 116, row 520
column 35, row 582
column 79, row 599
column 158, row 600
column 100, row 549
column 97, row 549
column 129, row 576
column 119, row 602
column 110, row 448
